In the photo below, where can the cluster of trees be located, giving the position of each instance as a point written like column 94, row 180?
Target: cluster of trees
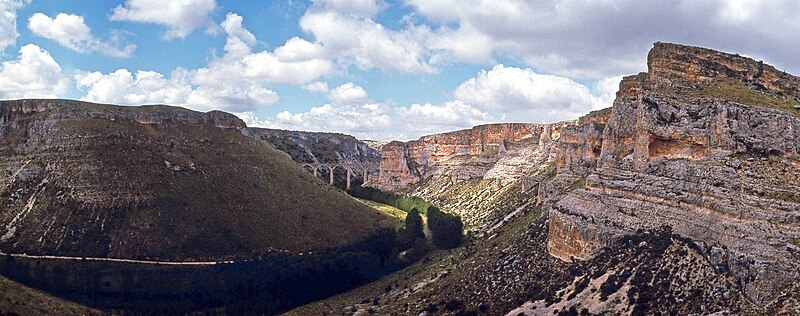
column 446, row 229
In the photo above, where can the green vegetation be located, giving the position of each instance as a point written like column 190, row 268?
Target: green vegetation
column 405, row 203
column 446, row 228
column 737, row 91
column 412, row 230
column 397, row 216
column 795, row 241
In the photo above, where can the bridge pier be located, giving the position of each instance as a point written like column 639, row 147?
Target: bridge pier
column 348, row 177
column 349, row 167
column 330, row 173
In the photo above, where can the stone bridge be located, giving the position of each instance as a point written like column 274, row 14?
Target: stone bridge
column 365, row 168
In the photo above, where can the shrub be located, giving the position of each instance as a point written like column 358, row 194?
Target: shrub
column 446, row 228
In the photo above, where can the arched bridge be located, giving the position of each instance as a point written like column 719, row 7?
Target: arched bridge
column 365, row 168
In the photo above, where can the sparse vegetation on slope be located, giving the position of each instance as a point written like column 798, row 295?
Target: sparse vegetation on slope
column 159, row 183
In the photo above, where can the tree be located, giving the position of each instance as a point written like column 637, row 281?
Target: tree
column 412, row 230
column 446, row 228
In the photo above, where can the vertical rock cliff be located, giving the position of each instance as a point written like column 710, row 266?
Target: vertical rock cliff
column 705, row 143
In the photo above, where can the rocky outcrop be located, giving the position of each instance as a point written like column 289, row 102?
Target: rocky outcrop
column 495, row 151
column 704, row 142
column 157, row 182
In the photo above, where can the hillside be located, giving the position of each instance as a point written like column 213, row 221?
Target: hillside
column 18, row 299
column 157, row 182
column 682, row 198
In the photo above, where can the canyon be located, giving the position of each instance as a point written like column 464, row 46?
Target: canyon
column 683, row 197
column 704, row 146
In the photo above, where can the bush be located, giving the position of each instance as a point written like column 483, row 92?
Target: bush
column 446, row 228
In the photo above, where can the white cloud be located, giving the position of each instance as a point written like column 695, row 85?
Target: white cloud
column 35, row 74
column 296, row 49
column 237, row 82
column 317, row 87
column 421, row 119
column 596, row 39
column 347, row 93
column 122, row 87
column 70, row 31
column 8, row 22
column 523, row 95
column 604, row 91
column 239, row 40
column 180, row 17
column 360, row 41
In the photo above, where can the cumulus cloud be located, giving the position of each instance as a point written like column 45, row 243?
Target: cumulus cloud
column 70, row 31
column 353, row 38
column 597, row 39
column 35, row 74
column 501, row 94
column 523, row 95
column 347, row 93
column 317, row 87
column 238, row 81
column 180, row 17
column 8, row 22
column 143, row 87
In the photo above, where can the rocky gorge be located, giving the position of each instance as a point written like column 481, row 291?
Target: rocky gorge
column 704, row 146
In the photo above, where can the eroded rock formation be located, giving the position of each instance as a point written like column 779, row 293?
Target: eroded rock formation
column 704, row 142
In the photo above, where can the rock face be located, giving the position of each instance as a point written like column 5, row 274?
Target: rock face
column 494, row 151
column 311, row 147
column 704, row 142
column 157, row 182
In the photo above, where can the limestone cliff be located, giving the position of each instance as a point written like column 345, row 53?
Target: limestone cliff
column 157, row 182
column 704, row 142
column 494, row 151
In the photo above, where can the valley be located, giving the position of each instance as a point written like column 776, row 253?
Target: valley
column 681, row 198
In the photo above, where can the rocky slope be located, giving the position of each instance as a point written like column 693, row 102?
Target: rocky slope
column 683, row 197
column 311, row 147
column 157, row 182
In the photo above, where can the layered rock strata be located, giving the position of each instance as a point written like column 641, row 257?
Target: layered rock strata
column 677, row 151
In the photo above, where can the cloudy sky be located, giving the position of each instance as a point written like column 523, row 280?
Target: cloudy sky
column 377, row 69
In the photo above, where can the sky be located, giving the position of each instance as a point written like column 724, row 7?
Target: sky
column 375, row 69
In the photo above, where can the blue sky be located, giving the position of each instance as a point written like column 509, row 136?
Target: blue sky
column 375, row 69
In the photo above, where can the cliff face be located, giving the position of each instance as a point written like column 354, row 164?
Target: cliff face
column 159, row 182
column 704, row 142
column 311, row 147
column 465, row 154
